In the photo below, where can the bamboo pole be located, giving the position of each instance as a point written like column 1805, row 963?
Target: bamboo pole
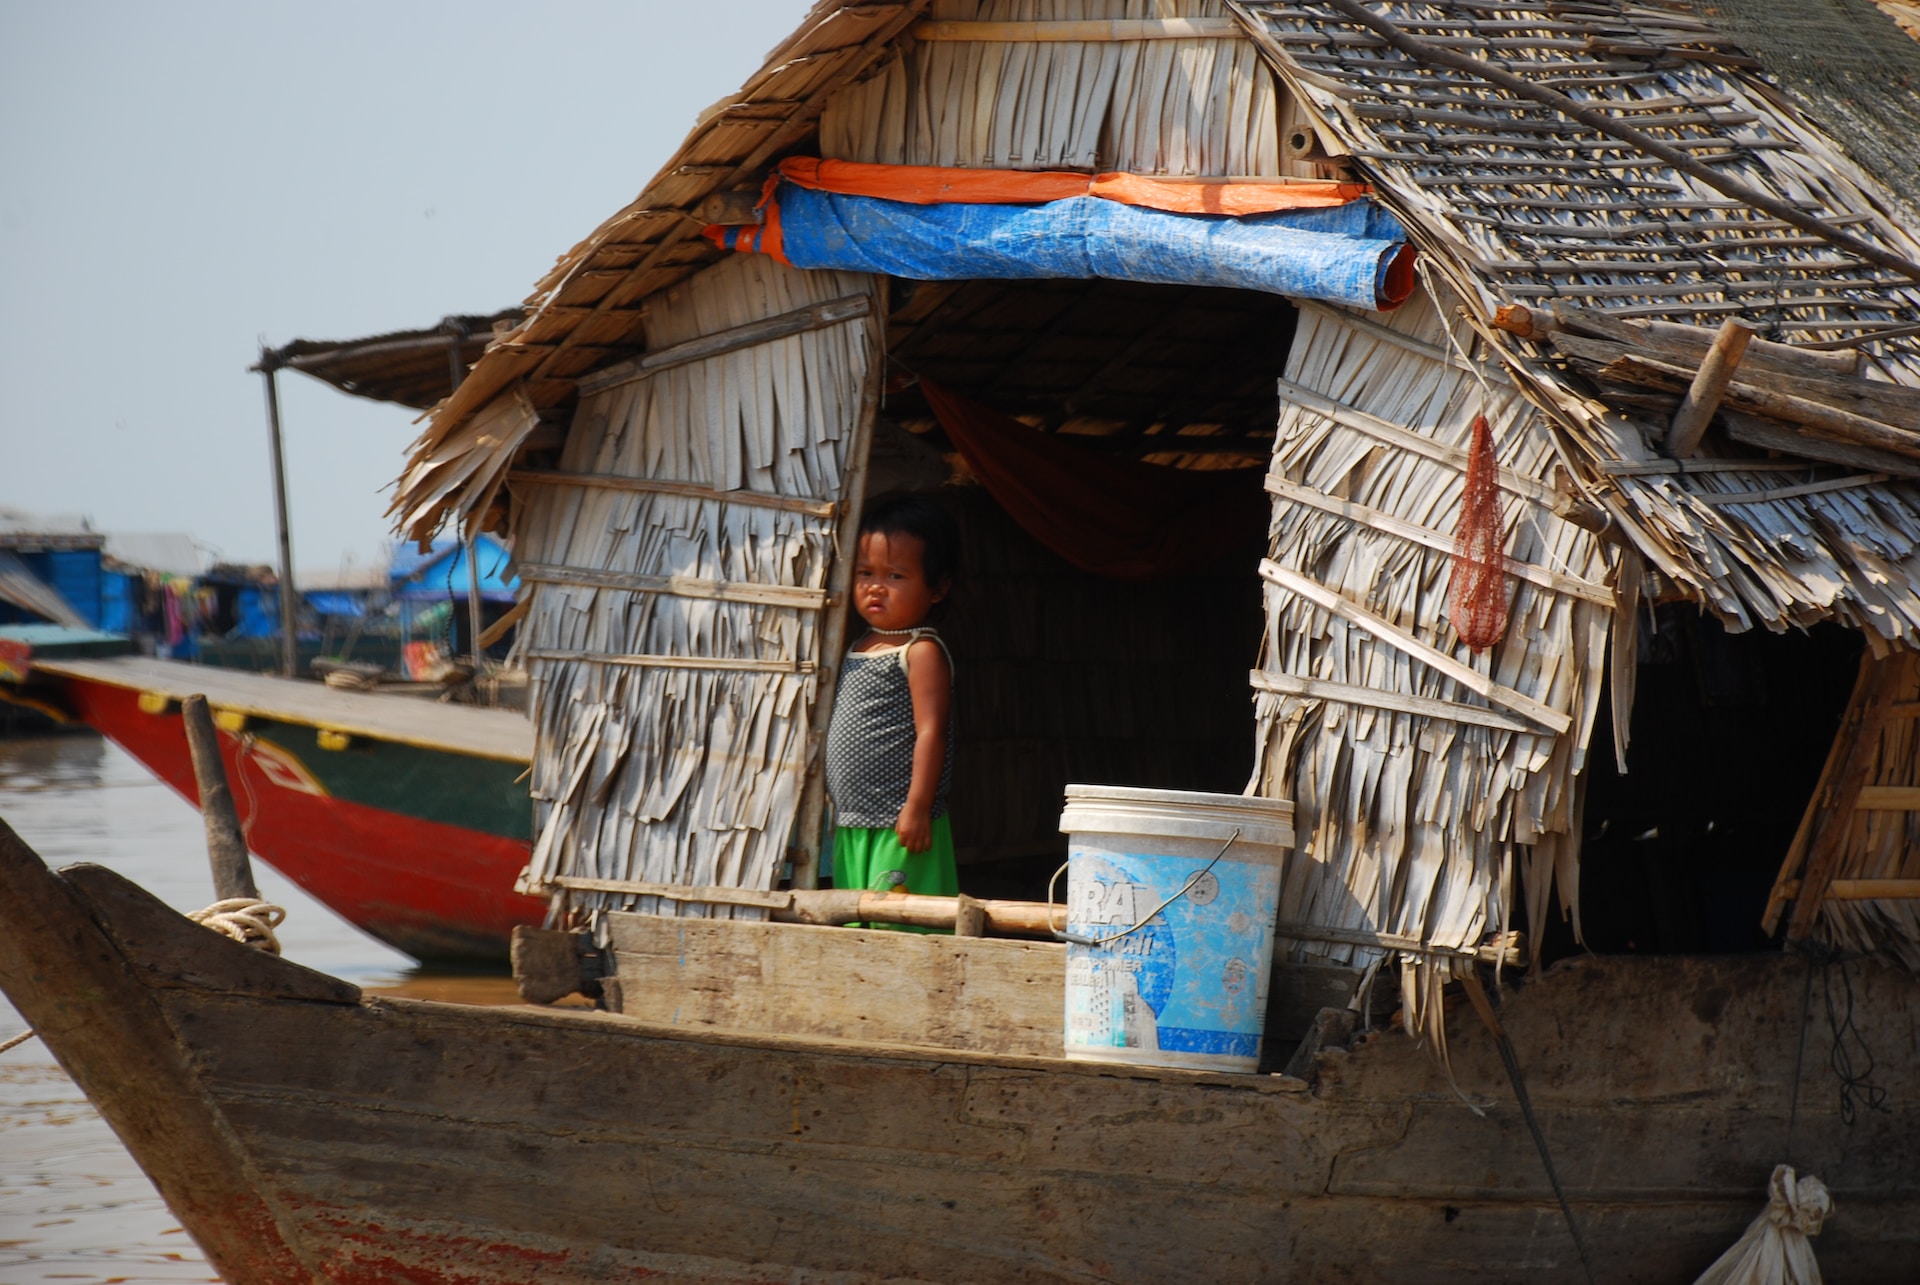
column 268, row 366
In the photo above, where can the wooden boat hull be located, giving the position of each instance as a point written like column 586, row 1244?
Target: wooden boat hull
column 304, row 1132
column 416, row 844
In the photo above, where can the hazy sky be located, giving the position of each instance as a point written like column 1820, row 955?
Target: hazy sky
column 179, row 181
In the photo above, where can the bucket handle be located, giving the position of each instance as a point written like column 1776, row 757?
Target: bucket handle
column 1081, row 939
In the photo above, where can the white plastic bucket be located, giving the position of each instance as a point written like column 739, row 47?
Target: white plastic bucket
column 1189, row 987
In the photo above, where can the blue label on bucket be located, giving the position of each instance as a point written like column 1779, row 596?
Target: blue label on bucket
column 1190, row 980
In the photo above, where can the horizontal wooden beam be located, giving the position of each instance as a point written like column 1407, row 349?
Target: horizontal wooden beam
column 1887, row 798
column 1373, row 698
column 1407, row 440
column 1862, row 890
column 764, row 595
column 1439, row 541
column 1088, row 31
column 1724, row 499
column 740, row 664
column 660, row 486
column 1313, row 591
column 721, row 342
column 1504, row 951
column 839, row 906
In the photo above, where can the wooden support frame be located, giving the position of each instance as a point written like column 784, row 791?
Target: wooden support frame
column 1814, row 856
column 764, row 595
column 1548, row 718
column 729, row 664
column 1395, row 702
column 805, row 852
column 688, row 490
column 721, row 342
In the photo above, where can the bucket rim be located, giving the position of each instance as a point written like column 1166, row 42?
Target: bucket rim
column 1276, row 808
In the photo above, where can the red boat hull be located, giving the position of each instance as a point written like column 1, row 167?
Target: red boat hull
column 429, row 886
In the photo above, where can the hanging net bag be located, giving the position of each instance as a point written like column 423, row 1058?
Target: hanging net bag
column 1477, row 594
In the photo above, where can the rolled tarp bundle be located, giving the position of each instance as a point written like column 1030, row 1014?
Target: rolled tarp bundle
column 1321, row 241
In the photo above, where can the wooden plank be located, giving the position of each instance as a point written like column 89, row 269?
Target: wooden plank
column 1887, row 798
column 1374, row 698
column 1865, row 889
column 731, row 664
column 660, row 486
column 1775, row 435
column 1866, row 713
column 721, row 342
column 1406, row 440
column 679, row 586
column 1327, row 600
column 1081, row 31
column 914, row 989
column 1506, row 950
column 1709, row 386
column 1387, row 524
column 455, row 729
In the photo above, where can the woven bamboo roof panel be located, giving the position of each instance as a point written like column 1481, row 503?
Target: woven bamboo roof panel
column 1513, row 201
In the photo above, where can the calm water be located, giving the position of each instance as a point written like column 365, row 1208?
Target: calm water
column 73, row 1205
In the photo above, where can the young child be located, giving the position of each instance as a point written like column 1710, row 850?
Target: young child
column 890, row 741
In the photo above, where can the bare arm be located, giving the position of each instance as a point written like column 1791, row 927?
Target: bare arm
column 930, row 681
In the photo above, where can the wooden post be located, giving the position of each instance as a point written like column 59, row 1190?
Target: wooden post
column 833, row 617
column 226, row 846
column 1709, row 386
column 268, row 365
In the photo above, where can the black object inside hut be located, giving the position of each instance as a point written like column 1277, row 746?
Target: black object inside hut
column 1729, row 735
column 1063, row 676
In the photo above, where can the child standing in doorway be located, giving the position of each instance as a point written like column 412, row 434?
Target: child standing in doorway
column 890, row 741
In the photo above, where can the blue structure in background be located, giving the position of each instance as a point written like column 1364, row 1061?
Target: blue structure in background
column 441, row 573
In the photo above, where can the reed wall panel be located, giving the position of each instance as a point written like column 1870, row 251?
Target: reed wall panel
column 1412, row 824
column 678, row 773
column 1197, row 107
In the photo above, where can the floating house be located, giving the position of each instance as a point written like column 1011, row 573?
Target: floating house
column 1387, row 277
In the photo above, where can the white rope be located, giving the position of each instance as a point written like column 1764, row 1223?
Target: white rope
column 17, row 1040
column 247, row 920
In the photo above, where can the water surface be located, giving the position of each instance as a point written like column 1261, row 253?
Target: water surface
column 74, row 1207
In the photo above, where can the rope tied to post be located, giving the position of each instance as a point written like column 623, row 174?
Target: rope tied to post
column 248, row 920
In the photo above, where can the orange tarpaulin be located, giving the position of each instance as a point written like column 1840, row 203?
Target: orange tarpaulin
column 940, row 185
column 1112, row 517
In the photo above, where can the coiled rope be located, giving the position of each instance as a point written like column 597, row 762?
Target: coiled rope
column 247, row 920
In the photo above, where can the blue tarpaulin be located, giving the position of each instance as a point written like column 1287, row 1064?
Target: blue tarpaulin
column 1354, row 254
column 441, row 572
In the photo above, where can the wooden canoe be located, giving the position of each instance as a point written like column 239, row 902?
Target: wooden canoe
column 304, row 1132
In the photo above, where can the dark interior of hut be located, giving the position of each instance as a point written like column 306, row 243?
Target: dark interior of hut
column 1063, row 675
column 1729, row 734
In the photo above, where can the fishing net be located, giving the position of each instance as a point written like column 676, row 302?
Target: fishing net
column 1477, row 595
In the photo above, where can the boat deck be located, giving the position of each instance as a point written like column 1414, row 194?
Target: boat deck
column 458, row 729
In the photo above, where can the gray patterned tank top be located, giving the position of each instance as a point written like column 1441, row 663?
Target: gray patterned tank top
column 870, row 738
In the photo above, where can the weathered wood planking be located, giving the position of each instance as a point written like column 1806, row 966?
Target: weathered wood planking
column 981, row 993
column 395, row 1139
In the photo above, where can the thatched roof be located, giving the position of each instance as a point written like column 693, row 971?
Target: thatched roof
column 1509, row 199
column 410, row 367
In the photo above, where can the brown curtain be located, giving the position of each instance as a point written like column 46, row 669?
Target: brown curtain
column 1111, row 517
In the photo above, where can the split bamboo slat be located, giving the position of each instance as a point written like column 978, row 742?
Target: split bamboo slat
column 678, row 562
column 1424, row 779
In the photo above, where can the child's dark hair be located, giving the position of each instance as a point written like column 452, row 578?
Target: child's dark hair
column 920, row 517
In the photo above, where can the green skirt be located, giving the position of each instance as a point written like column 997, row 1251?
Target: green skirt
column 872, row 859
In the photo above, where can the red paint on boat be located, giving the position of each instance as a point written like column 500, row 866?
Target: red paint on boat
column 433, row 890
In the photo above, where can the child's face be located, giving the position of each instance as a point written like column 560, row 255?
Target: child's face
column 890, row 589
